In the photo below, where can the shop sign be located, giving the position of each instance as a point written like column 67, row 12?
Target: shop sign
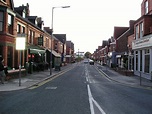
column 144, row 42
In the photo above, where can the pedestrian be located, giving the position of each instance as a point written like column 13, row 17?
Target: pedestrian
column 2, row 70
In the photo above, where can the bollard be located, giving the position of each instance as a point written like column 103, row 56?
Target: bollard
column 140, row 78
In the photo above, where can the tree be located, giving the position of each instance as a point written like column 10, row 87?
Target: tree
column 87, row 54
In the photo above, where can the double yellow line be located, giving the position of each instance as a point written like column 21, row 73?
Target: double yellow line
column 49, row 79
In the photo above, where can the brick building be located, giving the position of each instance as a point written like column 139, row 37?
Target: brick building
column 18, row 23
column 142, row 44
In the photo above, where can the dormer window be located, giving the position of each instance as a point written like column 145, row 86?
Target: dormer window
column 146, row 7
column 36, row 21
column 24, row 13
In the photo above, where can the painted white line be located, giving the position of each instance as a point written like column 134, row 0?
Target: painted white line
column 91, row 101
column 87, row 79
column 98, row 106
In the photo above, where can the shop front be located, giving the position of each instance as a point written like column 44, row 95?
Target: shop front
column 36, row 58
column 55, row 56
column 143, row 56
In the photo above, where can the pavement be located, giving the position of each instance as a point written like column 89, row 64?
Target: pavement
column 133, row 80
column 37, row 77
column 31, row 79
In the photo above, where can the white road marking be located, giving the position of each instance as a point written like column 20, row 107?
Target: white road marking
column 91, row 101
column 87, row 79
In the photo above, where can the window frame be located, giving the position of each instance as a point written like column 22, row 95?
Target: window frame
column 2, row 22
column 146, row 6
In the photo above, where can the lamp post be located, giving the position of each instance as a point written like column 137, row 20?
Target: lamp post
column 20, row 45
column 52, row 35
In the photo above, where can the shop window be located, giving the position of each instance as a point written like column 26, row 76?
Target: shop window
column 136, row 61
column 1, row 20
column 9, row 57
column 147, row 61
column 1, row 50
column 140, row 60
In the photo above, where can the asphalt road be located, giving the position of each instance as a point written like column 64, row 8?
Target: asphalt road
column 82, row 90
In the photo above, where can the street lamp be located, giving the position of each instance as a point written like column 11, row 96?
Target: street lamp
column 20, row 45
column 52, row 35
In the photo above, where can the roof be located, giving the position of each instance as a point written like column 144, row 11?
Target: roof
column 61, row 37
column 118, row 31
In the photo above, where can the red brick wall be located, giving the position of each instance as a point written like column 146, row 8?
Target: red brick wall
column 143, row 7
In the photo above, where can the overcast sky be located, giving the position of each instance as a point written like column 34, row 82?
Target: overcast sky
column 87, row 22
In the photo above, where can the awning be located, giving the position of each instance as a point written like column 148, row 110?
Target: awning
column 55, row 53
column 36, row 49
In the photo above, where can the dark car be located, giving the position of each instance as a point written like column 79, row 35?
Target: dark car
column 91, row 62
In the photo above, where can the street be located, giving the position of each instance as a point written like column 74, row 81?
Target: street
column 82, row 90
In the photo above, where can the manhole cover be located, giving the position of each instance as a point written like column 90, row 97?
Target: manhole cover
column 51, row 88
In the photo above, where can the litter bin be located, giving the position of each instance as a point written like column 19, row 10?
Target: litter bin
column 31, row 68
column 57, row 63
column 27, row 67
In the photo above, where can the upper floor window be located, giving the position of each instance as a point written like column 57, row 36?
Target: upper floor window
column 31, row 34
column 10, row 23
column 9, row 19
column 18, row 28
column 1, row 20
column 137, row 32
column 146, row 7
column 23, row 29
column 40, row 40
column 141, row 30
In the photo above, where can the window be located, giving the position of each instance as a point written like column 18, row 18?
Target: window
column 23, row 29
column 18, row 28
column 40, row 41
column 9, row 19
column 31, row 36
column 141, row 30
column 137, row 31
column 47, row 42
column 146, row 7
column 136, row 60
column 147, row 61
column 10, row 23
column 140, row 60
column 1, row 20
column 23, row 14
